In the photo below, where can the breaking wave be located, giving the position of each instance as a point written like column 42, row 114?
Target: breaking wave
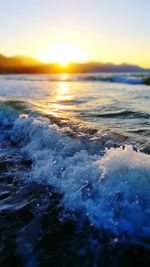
column 112, row 78
column 109, row 189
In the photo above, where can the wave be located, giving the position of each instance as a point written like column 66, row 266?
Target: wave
column 128, row 80
column 122, row 113
column 109, row 189
column 113, row 78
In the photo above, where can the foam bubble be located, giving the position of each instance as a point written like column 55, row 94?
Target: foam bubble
column 111, row 191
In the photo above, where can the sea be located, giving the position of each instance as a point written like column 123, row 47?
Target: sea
column 75, row 170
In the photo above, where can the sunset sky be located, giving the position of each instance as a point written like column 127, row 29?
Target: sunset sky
column 100, row 30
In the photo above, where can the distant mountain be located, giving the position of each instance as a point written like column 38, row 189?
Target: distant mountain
column 105, row 67
column 8, row 62
column 22, row 64
column 27, row 61
column 16, row 61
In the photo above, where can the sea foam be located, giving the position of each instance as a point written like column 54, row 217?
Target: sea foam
column 111, row 191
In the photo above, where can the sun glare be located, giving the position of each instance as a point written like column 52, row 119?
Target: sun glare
column 63, row 53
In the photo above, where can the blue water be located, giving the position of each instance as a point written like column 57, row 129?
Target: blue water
column 84, row 139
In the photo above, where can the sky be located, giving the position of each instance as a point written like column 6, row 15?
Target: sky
column 115, row 31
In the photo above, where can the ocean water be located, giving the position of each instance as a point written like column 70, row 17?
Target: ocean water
column 75, row 170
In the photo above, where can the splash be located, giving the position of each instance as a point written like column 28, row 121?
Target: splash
column 110, row 191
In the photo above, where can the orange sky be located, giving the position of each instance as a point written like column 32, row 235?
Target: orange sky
column 99, row 30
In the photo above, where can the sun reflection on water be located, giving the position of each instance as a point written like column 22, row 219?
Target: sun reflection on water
column 62, row 102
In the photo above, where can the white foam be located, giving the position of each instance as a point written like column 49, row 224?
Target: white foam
column 111, row 191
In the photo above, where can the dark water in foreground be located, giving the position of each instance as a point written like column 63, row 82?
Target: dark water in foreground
column 75, row 171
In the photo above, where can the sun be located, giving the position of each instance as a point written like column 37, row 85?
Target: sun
column 63, row 54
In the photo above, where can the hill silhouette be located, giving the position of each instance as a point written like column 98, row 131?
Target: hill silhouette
column 27, row 65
